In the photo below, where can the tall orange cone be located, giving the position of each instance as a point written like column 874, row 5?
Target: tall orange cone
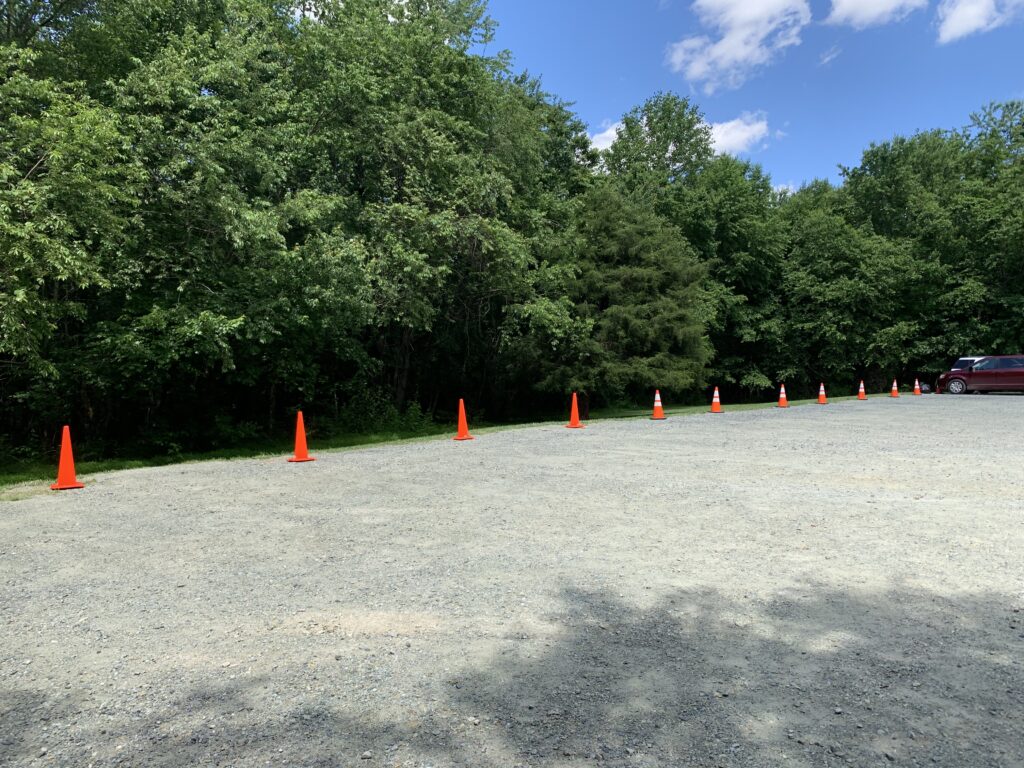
column 917, row 387
column 716, row 402
column 822, row 400
column 659, row 412
column 861, row 395
column 463, row 424
column 66, row 468
column 895, row 390
column 574, row 415
column 783, row 402
column 301, row 452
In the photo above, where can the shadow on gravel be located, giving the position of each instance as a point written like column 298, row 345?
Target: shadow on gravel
column 810, row 678
column 816, row 678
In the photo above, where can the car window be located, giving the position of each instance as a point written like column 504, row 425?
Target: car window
column 963, row 363
column 1015, row 362
column 985, row 365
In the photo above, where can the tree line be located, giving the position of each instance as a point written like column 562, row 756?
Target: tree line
column 213, row 212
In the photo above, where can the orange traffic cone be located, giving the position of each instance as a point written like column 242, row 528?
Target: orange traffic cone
column 301, row 452
column 463, row 424
column 659, row 412
column 895, row 390
column 861, row 395
column 716, row 402
column 783, row 402
column 917, row 388
column 574, row 415
column 822, row 400
column 66, row 468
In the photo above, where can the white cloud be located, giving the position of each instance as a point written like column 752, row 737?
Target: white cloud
column 739, row 135
column 960, row 18
column 861, row 14
column 604, row 139
column 830, row 55
column 749, row 35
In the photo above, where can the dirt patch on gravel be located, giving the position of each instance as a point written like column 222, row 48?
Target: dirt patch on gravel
column 363, row 624
column 812, row 587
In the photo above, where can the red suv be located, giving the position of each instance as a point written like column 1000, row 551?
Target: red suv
column 997, row 373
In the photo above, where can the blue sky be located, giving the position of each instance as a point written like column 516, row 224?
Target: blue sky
column 799, row 86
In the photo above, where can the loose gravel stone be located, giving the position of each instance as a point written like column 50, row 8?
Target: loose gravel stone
column 699, row 591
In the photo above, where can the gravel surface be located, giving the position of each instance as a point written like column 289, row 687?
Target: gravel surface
column 811, row 587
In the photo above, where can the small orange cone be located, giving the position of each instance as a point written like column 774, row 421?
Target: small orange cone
column 301, row 452
column 783, row 402
column 66, row 468
column 822, row 400
column 895, row 390
column 659, row 412
column 716, row 402
column 861, row 395
column 463, row 424
column 574, row 415
column 917, row 388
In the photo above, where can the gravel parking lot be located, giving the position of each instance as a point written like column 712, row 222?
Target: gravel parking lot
column 821, row 586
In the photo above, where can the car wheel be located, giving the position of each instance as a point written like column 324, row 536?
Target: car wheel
column 956, row 386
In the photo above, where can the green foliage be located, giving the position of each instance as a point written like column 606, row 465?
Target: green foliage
column 640, row 284
column 664, row 143
column 732, row 215
column 213, row 212
column 65, row 180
